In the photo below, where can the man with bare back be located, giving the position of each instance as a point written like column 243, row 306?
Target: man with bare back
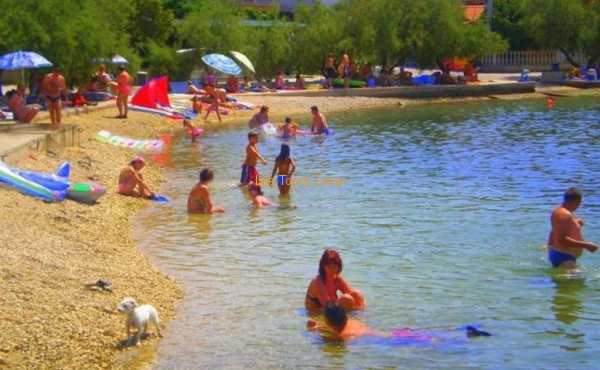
column 565, row 241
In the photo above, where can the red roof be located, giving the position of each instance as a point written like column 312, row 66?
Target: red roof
column 473, row 12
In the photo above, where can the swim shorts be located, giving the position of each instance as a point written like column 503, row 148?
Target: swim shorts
column 249, row 174
column 282, row 180
column 556, row 257
column 330, row 72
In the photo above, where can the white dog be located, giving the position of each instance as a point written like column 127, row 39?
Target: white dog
column 138, row 317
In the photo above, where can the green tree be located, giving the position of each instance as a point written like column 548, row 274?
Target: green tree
column 67, row 32
column 149, row 21
column 315, row 32
column 507, row 20
column 567, row 25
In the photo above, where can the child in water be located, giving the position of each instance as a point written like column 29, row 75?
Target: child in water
column 285, row 167
column 192, row 130
column 288, row 129
column 256, row 194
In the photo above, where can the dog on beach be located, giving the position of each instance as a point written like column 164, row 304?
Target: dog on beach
column 138, row 317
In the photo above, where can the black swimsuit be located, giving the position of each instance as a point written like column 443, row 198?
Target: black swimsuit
column 314, row 300
column 53, row 99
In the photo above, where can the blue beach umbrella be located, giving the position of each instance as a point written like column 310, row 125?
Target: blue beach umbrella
column 23, row 59
column 222, row 64
column 118, row 60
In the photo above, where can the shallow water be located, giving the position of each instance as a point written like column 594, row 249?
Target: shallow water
column 439, row 221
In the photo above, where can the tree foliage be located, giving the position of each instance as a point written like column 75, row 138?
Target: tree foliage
column 567, row 25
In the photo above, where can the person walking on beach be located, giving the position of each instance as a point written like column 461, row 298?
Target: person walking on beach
column 18, row 106
column 319, row 123
column 249, row 171
column 131, row 180
column 565, row 241
column 199, row 199
column 54, row 87
column 259, row 118
column 124, row 82
column 284, row 167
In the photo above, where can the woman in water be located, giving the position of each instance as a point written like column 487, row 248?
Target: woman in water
column 285, row 167
column 199, row 199
column 324, row 287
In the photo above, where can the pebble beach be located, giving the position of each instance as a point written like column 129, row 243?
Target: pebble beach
column 50, row 252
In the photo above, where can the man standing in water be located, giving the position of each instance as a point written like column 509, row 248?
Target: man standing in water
column 565, row 242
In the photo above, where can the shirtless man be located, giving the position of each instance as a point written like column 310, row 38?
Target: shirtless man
column 124, row 81
column 18, row 106
column 259, row 118
column 52, row 86
column 565, row 241
column 319, row 123
column 131, row 181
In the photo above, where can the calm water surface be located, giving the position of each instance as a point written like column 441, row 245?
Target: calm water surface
column 439, row 222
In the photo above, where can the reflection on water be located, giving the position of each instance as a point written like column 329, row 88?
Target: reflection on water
column 438, row 222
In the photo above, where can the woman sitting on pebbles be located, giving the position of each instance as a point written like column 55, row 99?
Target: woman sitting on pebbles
column 131, row 180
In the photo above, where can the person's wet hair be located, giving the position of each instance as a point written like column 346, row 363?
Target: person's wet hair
column 206, row 175
column 335, row 314
column 284, row 153
column 330, row 257
column 572, row 194
column 252, row 134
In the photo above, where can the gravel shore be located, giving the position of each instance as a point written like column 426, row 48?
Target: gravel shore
column 48, row 318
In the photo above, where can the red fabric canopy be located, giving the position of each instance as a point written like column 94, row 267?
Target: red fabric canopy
column 153, row 93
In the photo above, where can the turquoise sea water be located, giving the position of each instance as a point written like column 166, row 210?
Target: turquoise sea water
column 440, row 222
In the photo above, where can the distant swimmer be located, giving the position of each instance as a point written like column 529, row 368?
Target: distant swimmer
column 319, row 123
column 565, row 241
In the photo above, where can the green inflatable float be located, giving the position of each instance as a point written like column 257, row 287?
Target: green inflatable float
column 353, row 83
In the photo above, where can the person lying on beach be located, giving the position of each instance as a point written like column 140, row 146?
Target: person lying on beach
column 258, row 201
column 18, row 106
column 279, row 81
column 199, row 199
column 131, row 180
column 233, row 85
column 324, row 287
